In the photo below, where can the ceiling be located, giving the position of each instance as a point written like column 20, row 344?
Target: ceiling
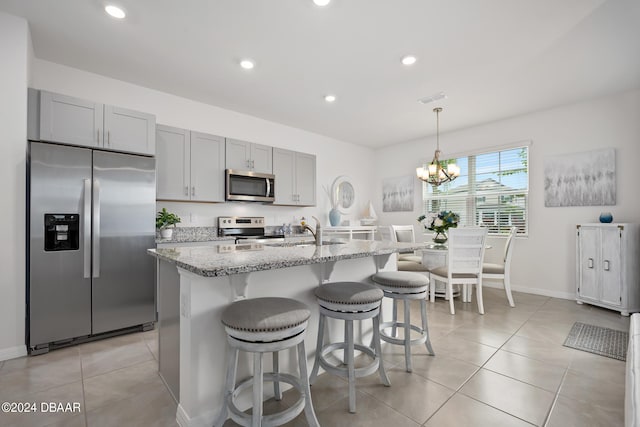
column 493, row 58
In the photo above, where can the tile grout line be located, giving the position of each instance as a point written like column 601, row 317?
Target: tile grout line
column 555, row 399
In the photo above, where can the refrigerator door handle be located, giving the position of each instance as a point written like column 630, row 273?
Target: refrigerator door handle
column 96, row 228
column 86, row 232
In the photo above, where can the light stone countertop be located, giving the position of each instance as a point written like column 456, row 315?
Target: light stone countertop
column 231, row 259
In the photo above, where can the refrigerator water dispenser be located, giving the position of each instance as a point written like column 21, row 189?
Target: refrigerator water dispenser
column 61, row 232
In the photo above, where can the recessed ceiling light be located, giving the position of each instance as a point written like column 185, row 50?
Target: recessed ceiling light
column 330, row 98
column 321, row 2
column 409, row 60
column 115, row 11
column 247, row 64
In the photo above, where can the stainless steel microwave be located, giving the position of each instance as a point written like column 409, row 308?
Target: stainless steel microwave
column 249, row 186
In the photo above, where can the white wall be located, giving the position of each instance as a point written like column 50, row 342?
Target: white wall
column 14, row 52
column 333, row 157
column 544, row 262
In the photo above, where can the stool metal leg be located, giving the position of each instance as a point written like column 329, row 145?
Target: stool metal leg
column 350, row 365
column 407, row 335
column 276, row 370
column 316, row 362
column 230, row 383
column 376, row 345
column 308, row 406
column 425, row 326
column 256, row 420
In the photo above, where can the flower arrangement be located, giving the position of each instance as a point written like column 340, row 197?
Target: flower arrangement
column 440, row 222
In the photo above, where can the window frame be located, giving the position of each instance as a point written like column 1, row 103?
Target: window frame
column 470, row 200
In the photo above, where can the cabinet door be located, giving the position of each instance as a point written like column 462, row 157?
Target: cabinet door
column 70, row 120
column 283, row 169
column 611, row 266
column 207, row 167
column 261, row 158
column 306, row 179
column 238, row 154
column 172, row 163
column 588, row 263
column 128, row 130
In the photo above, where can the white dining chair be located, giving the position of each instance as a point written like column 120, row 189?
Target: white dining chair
column 406, row 234
column 502, row 271
column 465, row 255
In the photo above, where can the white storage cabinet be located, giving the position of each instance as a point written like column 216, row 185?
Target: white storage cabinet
column 247, row 156
column 295, row 178
column 608, row 266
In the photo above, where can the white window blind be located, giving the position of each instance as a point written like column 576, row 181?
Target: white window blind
column 492, row 191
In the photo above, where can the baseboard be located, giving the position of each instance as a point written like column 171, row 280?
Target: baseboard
column 530, row 290
column 13, row 352
column 203, row 420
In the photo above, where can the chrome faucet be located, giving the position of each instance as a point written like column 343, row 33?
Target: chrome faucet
column 318, row 233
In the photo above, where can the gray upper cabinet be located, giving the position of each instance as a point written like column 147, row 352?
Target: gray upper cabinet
column 295, row 178
column 70, row 120
column 77, row 121
column 244, row 155
column 128, row 130
column 190, row 165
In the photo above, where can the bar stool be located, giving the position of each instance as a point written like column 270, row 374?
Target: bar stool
column 261, row 325
column 349, row 301
column 406, row 286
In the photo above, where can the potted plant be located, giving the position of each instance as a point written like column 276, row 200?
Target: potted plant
column 440, row 223
column 164, row 220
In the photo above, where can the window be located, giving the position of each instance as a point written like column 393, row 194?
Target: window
column 492, row 191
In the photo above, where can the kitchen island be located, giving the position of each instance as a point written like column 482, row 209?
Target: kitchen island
column 197, row 283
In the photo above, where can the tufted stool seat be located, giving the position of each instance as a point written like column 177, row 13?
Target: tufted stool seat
column 406, row 286
column 261, row 325
column 349, row 301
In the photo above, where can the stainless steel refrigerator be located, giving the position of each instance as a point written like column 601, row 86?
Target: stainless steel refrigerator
column 91, row 219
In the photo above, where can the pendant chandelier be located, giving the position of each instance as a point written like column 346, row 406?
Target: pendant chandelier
column 435, row 173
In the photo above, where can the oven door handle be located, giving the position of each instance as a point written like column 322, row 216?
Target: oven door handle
column 268, row 187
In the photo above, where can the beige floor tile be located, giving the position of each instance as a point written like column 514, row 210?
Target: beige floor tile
column 28, row 375
column 462, row 411
column 582, row 387
column 370, row 412
column 154, row 407
column 66, row 394
column 441, row 368
column 482, row 335
column 468, row 351
column 514, row 397
column 407, row 394
column 530, row 371
column 327, row 390
column 540, row 350
column 115, row 353
column 121, row 384
column 151, row 339
column 598, row 367
column 553, row 333
column 572, row 413
column 77, row 421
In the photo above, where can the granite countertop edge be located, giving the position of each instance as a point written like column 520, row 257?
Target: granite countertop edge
column 286, row 261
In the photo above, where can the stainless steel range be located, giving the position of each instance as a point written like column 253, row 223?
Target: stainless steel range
column 245, row 228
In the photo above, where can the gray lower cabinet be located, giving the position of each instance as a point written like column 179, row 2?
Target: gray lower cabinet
column 69, row 120
column 248, row 156
column 295, row 177
column 190, row 165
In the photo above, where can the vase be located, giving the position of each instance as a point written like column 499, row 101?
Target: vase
column 166, row 233
column 440, row 238
column 334, row 217
column 606, row 217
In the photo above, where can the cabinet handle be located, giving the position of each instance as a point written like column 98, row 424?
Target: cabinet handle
column 186, row 190
column 606, row 265
column 248, row 164
column 590, row 263
column 109, row 138
column 98, row 132
column 193, row 191
column 253, row 164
